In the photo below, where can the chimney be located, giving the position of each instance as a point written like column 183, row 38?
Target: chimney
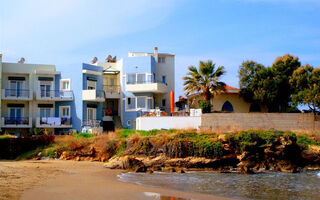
column 21, row 61
column 155, row 54
column 94, row 60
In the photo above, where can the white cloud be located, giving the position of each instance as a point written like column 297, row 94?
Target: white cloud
column 43, row 26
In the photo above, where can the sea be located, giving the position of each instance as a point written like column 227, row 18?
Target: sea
column 268, row 185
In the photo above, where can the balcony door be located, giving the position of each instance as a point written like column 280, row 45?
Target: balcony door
column 15, row 113
column 45, row 112
column 45, row 88
column 91, row 114
column 16, row 87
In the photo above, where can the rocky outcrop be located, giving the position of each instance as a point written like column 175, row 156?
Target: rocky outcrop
column 282, row 154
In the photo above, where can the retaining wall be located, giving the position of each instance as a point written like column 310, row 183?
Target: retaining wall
column 278, row 121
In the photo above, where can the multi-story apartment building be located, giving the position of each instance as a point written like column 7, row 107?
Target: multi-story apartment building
column 117, row 92
column 34, row 96
column 104, row 94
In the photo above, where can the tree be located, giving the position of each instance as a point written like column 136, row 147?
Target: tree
column 204, row 81
column 306, row 84
column 247, row 72
column 282, row 70
column 269, row 85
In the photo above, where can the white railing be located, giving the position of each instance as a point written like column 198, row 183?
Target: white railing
column 53, row 122
column 14, row 94
column 56, row 95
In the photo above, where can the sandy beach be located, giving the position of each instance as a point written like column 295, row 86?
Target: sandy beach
column 56, row 179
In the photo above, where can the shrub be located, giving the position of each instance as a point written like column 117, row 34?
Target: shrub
column 85, row 135
column 303, row 140
column 205, row 106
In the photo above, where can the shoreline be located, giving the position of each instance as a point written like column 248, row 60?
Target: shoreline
column 56, row 179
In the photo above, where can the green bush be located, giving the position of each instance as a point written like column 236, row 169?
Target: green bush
column 303, row 140
column 125, row 133
column 84, row 135
column 205, row 106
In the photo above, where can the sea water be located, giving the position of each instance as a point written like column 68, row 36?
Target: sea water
column 269, row 185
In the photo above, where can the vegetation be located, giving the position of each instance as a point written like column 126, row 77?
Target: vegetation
column 282, row 86
column 306, row 83
column 85, row 135
column 204, row 81
column 6, row 136
column 173, row 143
column 269, row 85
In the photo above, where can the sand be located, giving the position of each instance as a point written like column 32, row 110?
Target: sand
column 53, row 179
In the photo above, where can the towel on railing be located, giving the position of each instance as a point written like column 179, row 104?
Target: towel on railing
column 54, row 121
column 44, row 120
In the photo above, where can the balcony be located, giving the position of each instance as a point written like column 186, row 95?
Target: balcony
column 53, row 122
column 141, row 87
column 14, row 94
column 54, row 95
column 16, row 122
column 93, row 95
column 112, row 91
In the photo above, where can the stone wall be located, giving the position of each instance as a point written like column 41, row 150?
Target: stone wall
column 278, row 121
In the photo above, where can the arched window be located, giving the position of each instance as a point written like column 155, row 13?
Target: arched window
column 227, row 106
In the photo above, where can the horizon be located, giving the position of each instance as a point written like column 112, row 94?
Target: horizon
column 225, row 31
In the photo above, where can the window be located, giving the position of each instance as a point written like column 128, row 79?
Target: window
column 16, row 87
column 112, row 81
column 15, row 112
column 141, row 78
column 150, row 79
column 65, row 84
column 227, row 106
column 91, row 114
column 131, row 78
column 162, row 60
column 45, row 88
column 65, row 111
column 91, row 84
column 163, row 102
column 141, row 102
column 164, row 79
column 45, row 112
column 131, row 103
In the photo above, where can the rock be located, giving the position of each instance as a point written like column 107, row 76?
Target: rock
column 180, row 171
column 65, row 156
column 127, row 163
column 168, row 169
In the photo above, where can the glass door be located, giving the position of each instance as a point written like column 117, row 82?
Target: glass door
column 45, row 88
column 91, row 114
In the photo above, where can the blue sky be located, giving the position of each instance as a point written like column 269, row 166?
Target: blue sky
column 67, row 33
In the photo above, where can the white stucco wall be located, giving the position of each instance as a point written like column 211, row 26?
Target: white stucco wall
column 149, row 123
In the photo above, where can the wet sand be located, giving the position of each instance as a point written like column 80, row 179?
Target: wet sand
column 38, row 180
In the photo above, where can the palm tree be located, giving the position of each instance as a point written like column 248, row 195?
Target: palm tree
column 204, row 82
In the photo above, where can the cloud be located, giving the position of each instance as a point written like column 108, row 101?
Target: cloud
column 43, row 26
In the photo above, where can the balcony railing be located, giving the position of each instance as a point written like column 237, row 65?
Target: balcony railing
column 16, row 121
column 18, row 94
column 93, row 95
column 57, row 95
column 112, row 89
column 144, row 82
column 147, row 86
column 92, row 123
column 54, row 122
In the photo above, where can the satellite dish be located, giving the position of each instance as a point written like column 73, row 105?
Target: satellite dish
column 21, row 61
column 94, row 60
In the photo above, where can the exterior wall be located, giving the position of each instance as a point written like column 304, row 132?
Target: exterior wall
column 243, row 121
column 166, row 69
column 238, row 103
column 73, row 72
column 149, row 123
